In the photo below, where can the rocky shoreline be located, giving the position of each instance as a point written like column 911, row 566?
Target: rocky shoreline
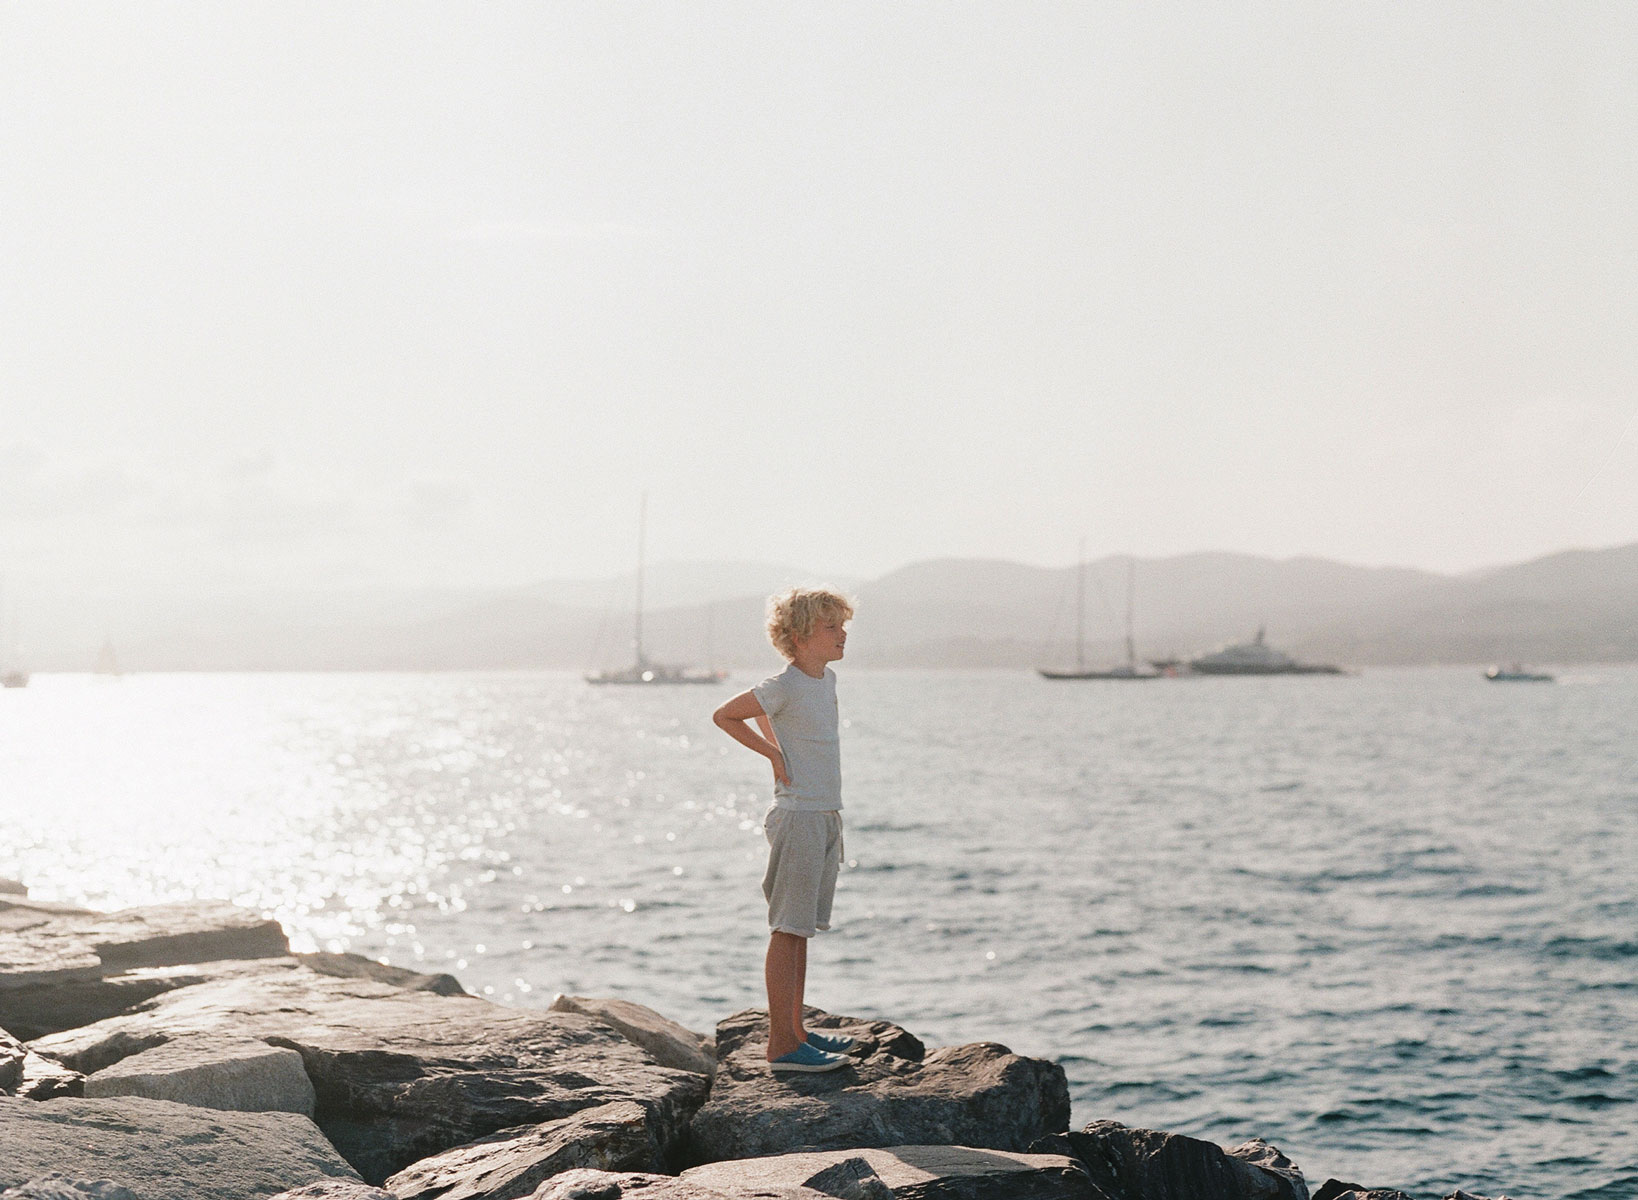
column 183, row 1051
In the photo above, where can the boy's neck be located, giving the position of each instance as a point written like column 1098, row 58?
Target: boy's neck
column 810, row 666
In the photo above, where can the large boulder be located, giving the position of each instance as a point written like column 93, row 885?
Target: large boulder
column 893, row 1093
column 1337, row 1189
column 589, row 1184
column 667, row 1043
column 57, row 1186
column 399, row 1074
column 230, row 1073
column 12, row 1054
column 1145, row 1164
column 158, row 1149
column 611, row 1137
column 61, row 966
column 911, row 1172
column 46, row 1079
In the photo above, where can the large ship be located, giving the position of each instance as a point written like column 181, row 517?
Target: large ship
column 1255, row 657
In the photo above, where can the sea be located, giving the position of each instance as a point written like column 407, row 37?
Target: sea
column 1388, row 922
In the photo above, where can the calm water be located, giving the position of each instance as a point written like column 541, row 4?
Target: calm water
column 1388, row 922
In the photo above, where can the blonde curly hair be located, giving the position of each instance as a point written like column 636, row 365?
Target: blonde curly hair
column 793, row 613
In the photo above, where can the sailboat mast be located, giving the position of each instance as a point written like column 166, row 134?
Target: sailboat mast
column 1131, row 574
column 1080, row 607
column 642, row 530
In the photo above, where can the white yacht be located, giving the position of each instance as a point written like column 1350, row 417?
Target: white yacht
column 1256, row 657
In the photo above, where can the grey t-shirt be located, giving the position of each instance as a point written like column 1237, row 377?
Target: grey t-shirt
column 802, row 711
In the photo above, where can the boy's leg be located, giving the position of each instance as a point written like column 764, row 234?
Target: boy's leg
column 783, row 974
column 801, row 987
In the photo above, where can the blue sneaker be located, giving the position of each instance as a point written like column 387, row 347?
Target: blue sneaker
column 832, row 1043
column 808, row 1057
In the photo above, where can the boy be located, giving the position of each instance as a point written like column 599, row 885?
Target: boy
column 804, row 826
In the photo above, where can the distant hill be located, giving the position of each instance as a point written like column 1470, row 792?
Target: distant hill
column 1576, row 606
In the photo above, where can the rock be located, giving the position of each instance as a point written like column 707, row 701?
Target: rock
column 10, row 887
column 57, row 1186
column 1459, row 1194
column 41, row 1009
column 160, row 1150
column 44, row 1079
column 356, row 966
column 667, row 1043
column 240, row 1075
column 335, row 1189
column 164, row 935
column 911, row 1172
column 12, row 1054
column 400, row 1075
column 55, row 962
column 38, row 947
column 611, row 1137
column 893, row 1094
column 89, row 1003
column 1336, row 1189
column 852, row 1178
column 1144, row 1164
column 588, row 1184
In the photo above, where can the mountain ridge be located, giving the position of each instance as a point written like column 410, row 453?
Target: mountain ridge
column 1571, row 606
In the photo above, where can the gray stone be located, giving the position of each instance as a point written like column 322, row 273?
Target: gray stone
column 236, row 1074
column 335, row 1189
column 852, row 1178
column 1144, row 1164
column 893, row 1093
column 356, row 966
column 12, row 1054
column 512, row 1163
column 1336, row 1189
column 10, row 887
column 589, row 1184
column 55, row 961
column 57, row 1186
column 667, row 1043
column 400, row 1075
column 41, row 1010
column 911, row 1172
column 44, row 1079
column 38, row 946
column 160, row 1150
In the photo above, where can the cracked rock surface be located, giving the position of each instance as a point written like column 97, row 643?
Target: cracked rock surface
column 895, row 1092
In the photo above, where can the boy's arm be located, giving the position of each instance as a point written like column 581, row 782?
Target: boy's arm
column 731, row 718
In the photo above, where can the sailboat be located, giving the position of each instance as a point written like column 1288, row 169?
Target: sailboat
column 1081, row 671
column 644, row 670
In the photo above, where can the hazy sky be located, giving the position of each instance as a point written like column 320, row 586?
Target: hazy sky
column 388, row 293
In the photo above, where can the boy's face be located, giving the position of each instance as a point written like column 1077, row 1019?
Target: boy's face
column 826, row 642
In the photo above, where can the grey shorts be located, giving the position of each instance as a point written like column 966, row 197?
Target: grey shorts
column 804, row 856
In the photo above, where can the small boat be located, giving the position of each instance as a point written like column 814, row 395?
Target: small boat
column 644, row 671
column 107, row 660
column 14, row 678
column 1256, row 657
column 1516, row 674
column 1129, row 670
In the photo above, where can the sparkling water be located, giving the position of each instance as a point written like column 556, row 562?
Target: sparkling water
column 1389, row 923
